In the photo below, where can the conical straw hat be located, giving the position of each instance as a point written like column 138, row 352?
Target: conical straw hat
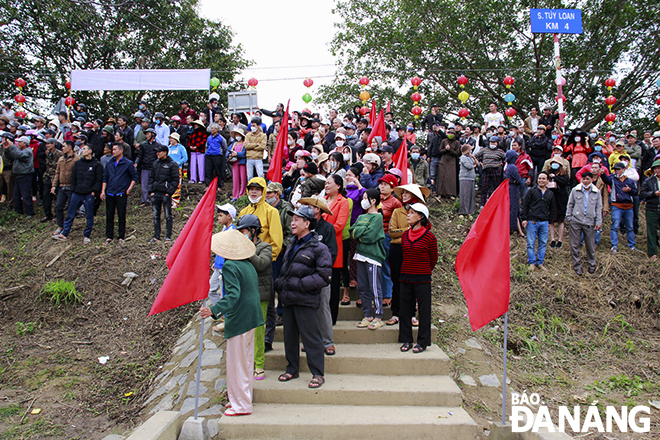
column 421, row 192
column 232, row 245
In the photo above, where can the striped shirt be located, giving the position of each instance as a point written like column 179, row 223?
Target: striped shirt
column 419, row 257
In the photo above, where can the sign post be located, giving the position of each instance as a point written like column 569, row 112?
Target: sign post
column 557, row 21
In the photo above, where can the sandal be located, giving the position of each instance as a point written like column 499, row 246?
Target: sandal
column 353, row 284
column 365, row 323
column 376, row 324
column 285, row 377
column 107, row 241
column 387, row 302
column 345, row 301
column 259, row 374
column 418, row 348
column 405, row 347
column 393, row 320
column 330, row 351
column 316, row 382
column 415, row 322
column 358, row 303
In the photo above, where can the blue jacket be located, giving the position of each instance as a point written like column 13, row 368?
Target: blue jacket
column 215, row 145
column 371, row 180
column 618, row 195
column 240, row 154
column 118, row 176
column 178, row 154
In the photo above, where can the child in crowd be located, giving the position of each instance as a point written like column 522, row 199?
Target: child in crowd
column 466, row 177
column 389, row 203
column 370, row 255
column 226, row 216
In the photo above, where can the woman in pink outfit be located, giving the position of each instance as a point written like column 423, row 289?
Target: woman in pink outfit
column 236, row 157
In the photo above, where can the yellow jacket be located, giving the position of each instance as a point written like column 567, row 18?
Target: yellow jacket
column 271, row 226
column 255, row 144
column 398, row 224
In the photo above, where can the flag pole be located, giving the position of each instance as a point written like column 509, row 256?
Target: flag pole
column 506, row 322
column 199, row 360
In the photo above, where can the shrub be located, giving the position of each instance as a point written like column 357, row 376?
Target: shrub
column 61, row 291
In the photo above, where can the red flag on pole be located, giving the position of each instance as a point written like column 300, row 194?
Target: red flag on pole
column 275, row 168
column 400, row 160
column 389, row 107
column 483, row 262
column 378, row 129
column 188, row 260
column 373, row 114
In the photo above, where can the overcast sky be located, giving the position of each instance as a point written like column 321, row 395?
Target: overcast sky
column 282, row 38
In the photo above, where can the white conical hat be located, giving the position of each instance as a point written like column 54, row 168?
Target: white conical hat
column 232, row 245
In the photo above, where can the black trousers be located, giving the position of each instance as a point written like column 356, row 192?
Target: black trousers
column 63, row 197
column 302, row 323
column 396, row 261
column 48, row 198
column 214, row 166
column 334, row 293
column 23, row 194
column 162, row 202
column 112, row 204
column 346, row 270
column 421, row 293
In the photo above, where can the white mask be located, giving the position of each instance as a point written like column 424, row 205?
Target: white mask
column 577, row 138
column 347, row 157
column 291, row 142
column 253, row 129
column 339, row 143
column 316, row 140
column 365, row 204
column 586, row 186
column 315, row 156
column 254, row 201
column 625, row 163
column 557, row 154
column 238, row 138
column 333, row 164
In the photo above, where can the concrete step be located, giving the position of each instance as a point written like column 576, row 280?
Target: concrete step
column 375, row 359
column 331, row 422
column 347, row 332
column 354, row 313
column 355, row 389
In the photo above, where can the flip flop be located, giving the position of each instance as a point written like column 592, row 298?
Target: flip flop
column 418, row 349
column 330, row 351
column 393, row 320
column 345, row 301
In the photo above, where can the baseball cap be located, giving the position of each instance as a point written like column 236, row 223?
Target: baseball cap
column 25, row 139
column 228, row 208
column 305, row 211
column 420, row 208
column 275, row 187
column 161, row 148
column 618, row 166
column 387, row 149
column 311, row 168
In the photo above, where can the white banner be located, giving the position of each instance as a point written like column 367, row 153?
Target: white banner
column 166, row 79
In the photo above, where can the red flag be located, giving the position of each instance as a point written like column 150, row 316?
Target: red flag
column 275, row 168
column 373, row 114
column 378, row 129
column 483, row 262
column 400, row 160
column 389, row 107
column 188, row 260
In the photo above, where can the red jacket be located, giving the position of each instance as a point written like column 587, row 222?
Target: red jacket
column 579, row 153
column 387, row 206
column 34, row 144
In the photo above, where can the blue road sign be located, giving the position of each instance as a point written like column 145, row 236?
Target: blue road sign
column 556, row 21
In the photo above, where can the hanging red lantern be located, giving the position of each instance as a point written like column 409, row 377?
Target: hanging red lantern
column 69, row 101
column 562, row 97
column 20, row 83
column 508, row 81
column 67, row 85
column 658, row 101
column 20, row 98
column 364, row 81
column 308, row 82
column 610, row 118
column 364, row 111
column 510, row 112
column 462, row 80
column 416, row 111
column 609, row 83
column 20, row 114
column 416, row 81
column 416, row 97
column 463, row 113
column 252, row 82
column 610, row 100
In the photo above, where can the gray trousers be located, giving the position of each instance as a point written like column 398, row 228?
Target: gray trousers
column 302, row 323
column 575, row 231
column 144, row 183
column 370, row 289
column 325, row 317
column 215, row 286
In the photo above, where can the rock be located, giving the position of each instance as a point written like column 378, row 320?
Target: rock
column 220, row 384
column 165, row 405
column 655, row 403
column 213, row 428
column 212, row 357
column 209, row 345
column 188, row 360
column 189, row 404
column 186, row 338
column 473, row 343
column 193, row 386
column 169, row 386
column 490, row 380
column 212, row 411
column 128, row 278
column 209, row 374
column 460, row 351
column 114, row 437
column 195, row 429
column 468, row 380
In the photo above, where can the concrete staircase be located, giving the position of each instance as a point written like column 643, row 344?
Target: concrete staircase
column 372, row 390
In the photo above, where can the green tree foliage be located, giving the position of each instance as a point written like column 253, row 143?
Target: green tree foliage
column 43, row 40
column 391, row 42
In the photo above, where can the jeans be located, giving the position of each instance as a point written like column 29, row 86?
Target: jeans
column 162, row 201
column 77, row 200
column 255, row 163
column 541, row 230
column 434, row 171
column 63, row 196
column 117, row 203
column 618, row 215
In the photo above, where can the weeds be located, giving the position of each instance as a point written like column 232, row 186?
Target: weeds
column 23, row 329
column 61, row 291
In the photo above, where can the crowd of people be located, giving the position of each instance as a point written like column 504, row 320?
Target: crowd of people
column 341, row 217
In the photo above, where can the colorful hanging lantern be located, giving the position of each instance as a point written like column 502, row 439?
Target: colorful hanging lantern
column 510, row 112
column 463, row 113
column 609, row 83
column 307, row 98
column 610, row 118
column 508, row 81
column 416, row 97
column 657, row 118
column 308, row 83
column 561, row 97
column 509, row 97
column 20, row 83
column 658, row 101
column 463, row 96
column 364, row 81
column 561, row 81
column 215, row 82
column 610, row 101
column 20, row 114
column 364, row 111
column 364, row 96
column 252, row 82
column 20, row 98
column 416, row 81
column 462, row 80
column 657, row 82
column 69, row 101
column 416, row 111
column 67, row 85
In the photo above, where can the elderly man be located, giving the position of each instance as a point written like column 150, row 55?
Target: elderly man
column 214, row 159
column 52, row 157
column 23, row 168
column 584, row 216
column 146, row 158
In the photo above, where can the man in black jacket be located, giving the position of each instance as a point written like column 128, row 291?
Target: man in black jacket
column 163, row 182
column 539, row 148
column 307, row 269
column 536, row 213
column 431, row 118
column 86, row 182
column 650, row 191
column 145, row 160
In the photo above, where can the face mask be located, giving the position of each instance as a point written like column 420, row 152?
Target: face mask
column 239, row 138
column 512, row 133
column 290, row 142
column 158, row 121
column 625, row 163
column 592, row 135
column 554, row 136
column 612, row 139
column 451, row 136
column 347, row 157
column 254, row 201
column 253, row 129
column 414, row 156
column 556, row 155
column 365, row 204
column 317, row 140
column 339, row 143
column 577, row 138
column 442, row 129
column 586, row 186
column 334, row 164
column 271, row 200
column 141, row 106
column 554, row 166
column 315, row 156
column 492, row 146
column 598, row 148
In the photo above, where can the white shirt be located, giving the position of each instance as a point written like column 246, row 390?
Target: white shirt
column 493, row 119
column 535, row 123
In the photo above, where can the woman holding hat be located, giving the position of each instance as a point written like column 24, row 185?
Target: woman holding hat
column 197, row 145
column 242, row 310
column 420, row 255
column 179, row 155
column 408, row 194
column 236, row 157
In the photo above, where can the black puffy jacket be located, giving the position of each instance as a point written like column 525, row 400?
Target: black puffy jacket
column 164, row 177
column 304, row 273
column 147, row 155
column 87, row 176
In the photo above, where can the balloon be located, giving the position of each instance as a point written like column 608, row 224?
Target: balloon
column 307, row 97
column 215, row 82
column 364, row 96
column 364, row 81
column 510, row 97
column 561, row 81
column 416, row 97
column 416, row 81
column 508, row 81
column 510, row 112
column 19, row 98
column 253, row 82
column 67, row 85
column 463, row 96
column 69, row 101
column 20, row 83
column 20, row 114
column 463, row 113
column 462, row 80
column 308, row 83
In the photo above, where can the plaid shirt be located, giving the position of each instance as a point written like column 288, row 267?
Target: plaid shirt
column 51, row 163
